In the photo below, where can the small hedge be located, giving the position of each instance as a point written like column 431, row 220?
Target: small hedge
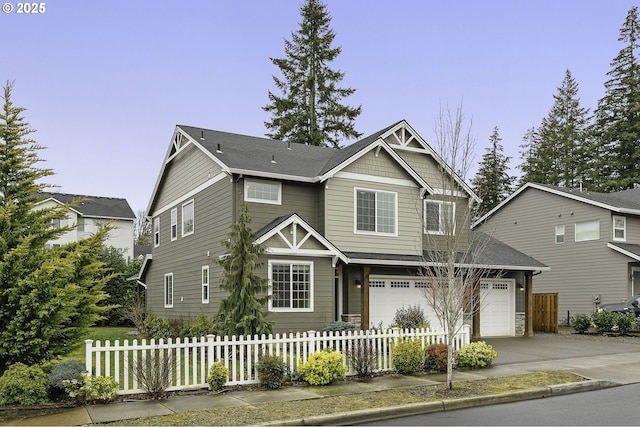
column 323, row 367
column 272, row 371
column 23, row 385
column 475, row 355
column 218, row 376
column 408, row 356
column 437, row 356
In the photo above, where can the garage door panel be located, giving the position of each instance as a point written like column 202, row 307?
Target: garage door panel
column 497, row 307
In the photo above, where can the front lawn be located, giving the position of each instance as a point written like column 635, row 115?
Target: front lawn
column 102, row 334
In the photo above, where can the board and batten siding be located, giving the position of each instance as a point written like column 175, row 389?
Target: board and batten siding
column 579, row 270
column 185, row 256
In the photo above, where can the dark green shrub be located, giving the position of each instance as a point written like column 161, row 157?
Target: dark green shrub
column 23, row 385
column 363, row 357
column 218, row 376
column 272, row 371
column 408, row 356
column 581, row 323
column 437, row 356
column 411, row 317
column 604, row 321
column 625, row 322
column 201, row 327
column 156, row 327
column 339, row 327
column 475, row 355
column 323, row 367
column 67, row 370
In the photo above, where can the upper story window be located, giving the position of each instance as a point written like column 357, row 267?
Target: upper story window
column 589, row 230
column 187, row 218
column 156, row 232
column 263, row 191
column 619, row 228
column 174, row 223
column 376, row 212
column 439, row 217
column 291, row 286
column 559, row 234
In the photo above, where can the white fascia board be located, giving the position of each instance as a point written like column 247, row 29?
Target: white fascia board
column 623, row 251
column 108, row 217
column 273, row 175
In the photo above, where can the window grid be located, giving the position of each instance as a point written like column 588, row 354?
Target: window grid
column 262, row 192
column 291, row 286
column 559, row 233
column 375, row 211
column 619, row 228
column 439, row 216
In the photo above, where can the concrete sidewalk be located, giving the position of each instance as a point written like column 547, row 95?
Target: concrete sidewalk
column 606, row 363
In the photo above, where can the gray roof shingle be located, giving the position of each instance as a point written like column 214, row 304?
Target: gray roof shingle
column 627, row 199
column 95, row 206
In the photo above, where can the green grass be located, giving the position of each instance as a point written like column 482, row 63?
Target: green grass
column 101, row 333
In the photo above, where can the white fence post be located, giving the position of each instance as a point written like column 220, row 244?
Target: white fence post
column 88, row 356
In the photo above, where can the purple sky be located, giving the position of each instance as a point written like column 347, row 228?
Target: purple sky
column 105, row 82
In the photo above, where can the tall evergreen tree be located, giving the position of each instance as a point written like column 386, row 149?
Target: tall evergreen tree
column 243, row 311
column 492, row 181
column 617, row 117
column 48, row 297
column 555, row 152
column 309, row 110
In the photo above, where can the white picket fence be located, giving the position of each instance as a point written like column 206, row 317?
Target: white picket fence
column 188, row 360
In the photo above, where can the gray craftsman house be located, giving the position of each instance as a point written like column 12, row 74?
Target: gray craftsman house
column 344, row 229
column 590, row 240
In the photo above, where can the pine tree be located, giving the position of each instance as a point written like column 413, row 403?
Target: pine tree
column 309, row 110
column 492, row 181
column 48, row 297
column 243, row 311
column 617, row 117
column 555, row 152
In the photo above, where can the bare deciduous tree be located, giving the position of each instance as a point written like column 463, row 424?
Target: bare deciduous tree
column 142, row 229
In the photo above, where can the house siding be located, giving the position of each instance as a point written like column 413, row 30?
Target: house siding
column 579, row 270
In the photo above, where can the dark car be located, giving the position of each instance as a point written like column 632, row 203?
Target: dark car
column 632, row 305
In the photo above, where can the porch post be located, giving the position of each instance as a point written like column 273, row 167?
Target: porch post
column 475, row 331
column 528, row 304
column 364, row 297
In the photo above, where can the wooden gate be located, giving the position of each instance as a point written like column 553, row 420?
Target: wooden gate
column 545, row 313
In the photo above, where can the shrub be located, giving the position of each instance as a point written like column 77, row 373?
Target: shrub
column 67, row 370
column 218, row 376
column 625, row 322
column 201, row 327
column 339, row 327
column 153, row 371
column 408, row 356
column 604, row 321
column 363, row 357
column 272, row 371
column 411, row 317
column 581, row 323
column 323, row 367
column 437, row 356
column 475, row 355
column 156, row 327
column 92, row 389
column 23, row 385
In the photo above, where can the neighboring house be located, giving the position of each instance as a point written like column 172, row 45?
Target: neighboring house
column 590, row 240
column 344, row 229
column 89, row 215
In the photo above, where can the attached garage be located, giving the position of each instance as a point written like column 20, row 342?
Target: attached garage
column 389, row 293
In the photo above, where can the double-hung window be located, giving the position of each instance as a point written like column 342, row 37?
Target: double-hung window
column 439, row 217
column 205, row 284
column 559, row 234
column 589, row 230
column 156, row 232
column 187, row 218
column 174, row 224
column 619, row 228
column 168, row 290
column 376, row 212
column 261, row 191
column 291, row 286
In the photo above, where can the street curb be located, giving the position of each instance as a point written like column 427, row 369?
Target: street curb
column 380, row 414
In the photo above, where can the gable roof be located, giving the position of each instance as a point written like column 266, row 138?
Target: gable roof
column 626, row 201
column 93, row 206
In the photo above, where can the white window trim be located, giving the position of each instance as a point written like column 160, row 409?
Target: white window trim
column 174, row 224
column 441, row 231
column 311, row 286
column 247, row 184
column 563, row 234
column 591, row 238
column 355, row 213
column 206, row 284
column 624, row 228
column 156, row 232
column 168, row 304
column 190, row 202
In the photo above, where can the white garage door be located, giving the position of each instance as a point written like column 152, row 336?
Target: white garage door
column 388, row 293
column 497, row 307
